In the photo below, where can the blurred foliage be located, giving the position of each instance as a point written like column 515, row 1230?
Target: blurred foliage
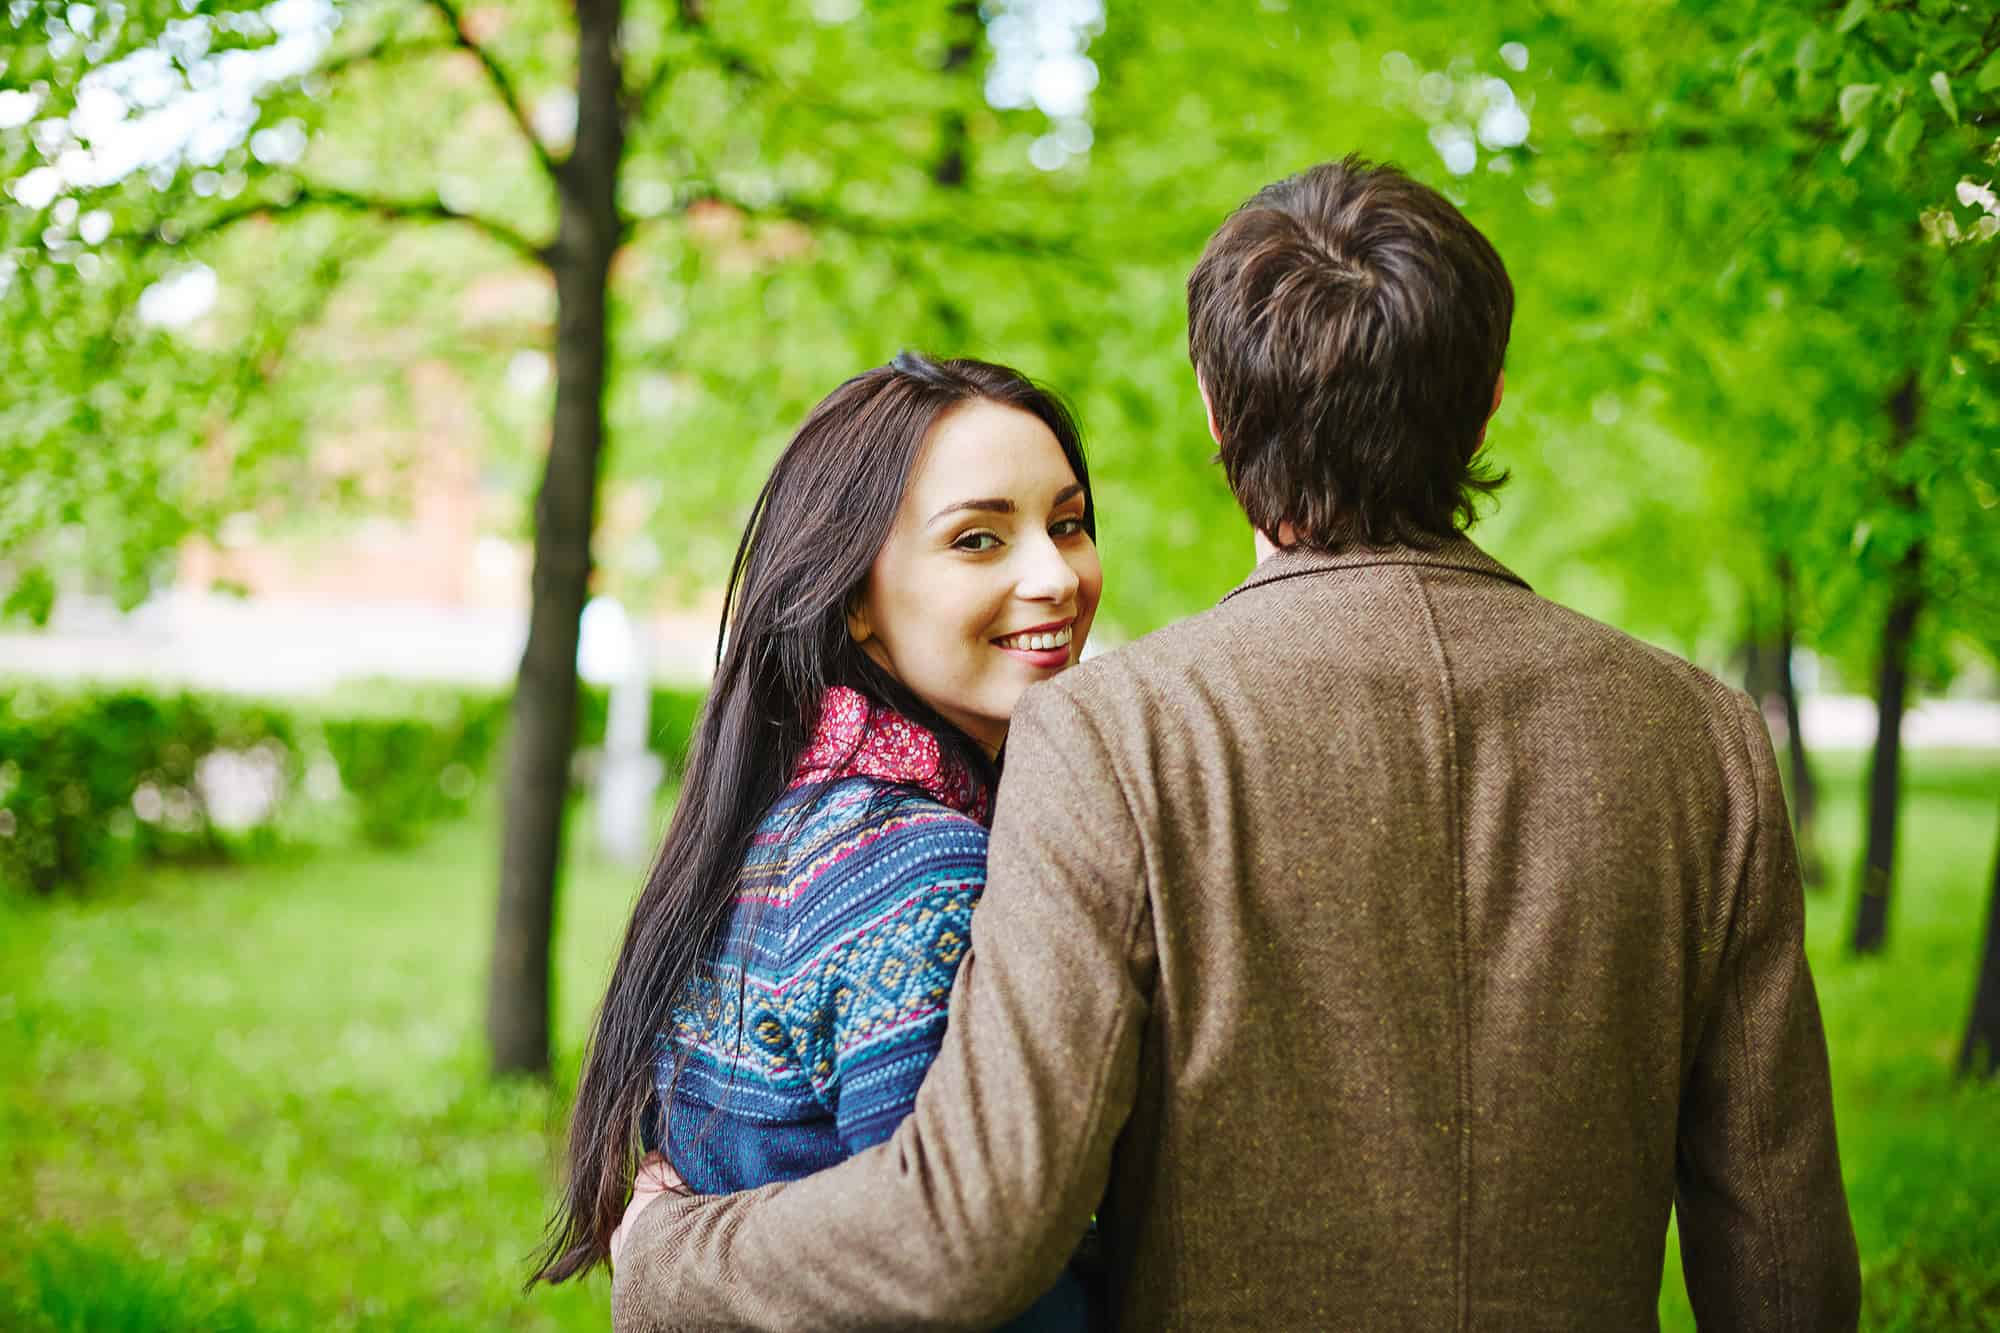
column 94, row 778
column 1735, row 231
column 413, row 757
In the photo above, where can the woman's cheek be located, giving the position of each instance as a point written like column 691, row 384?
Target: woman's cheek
column 1090, row 585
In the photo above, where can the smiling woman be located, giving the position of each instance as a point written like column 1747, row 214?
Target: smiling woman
column 989, row 578
column 924, row 551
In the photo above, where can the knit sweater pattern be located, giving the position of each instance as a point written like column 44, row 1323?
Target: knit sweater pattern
column 805, row 1037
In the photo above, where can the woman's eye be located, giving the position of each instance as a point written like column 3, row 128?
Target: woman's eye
column 1066, row 527
column 976, row 541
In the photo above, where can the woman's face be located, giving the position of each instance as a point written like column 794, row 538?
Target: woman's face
column 988, row 581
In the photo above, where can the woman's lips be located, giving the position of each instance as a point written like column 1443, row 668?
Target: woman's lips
column 1055, row 634
column 1046, row 647
column 1047, row 659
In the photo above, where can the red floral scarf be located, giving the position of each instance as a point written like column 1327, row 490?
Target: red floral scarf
column 857, row 738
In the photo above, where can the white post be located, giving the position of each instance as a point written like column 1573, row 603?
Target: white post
column 612, row 651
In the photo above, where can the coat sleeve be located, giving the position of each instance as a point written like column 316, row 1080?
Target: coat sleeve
column 1766, row 1241
column 971, row 1208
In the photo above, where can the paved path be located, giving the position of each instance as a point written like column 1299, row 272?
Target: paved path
column 278, row 647
column 275, row 647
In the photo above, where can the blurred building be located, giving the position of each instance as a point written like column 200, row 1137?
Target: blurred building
column 422, row 587
column 423, row 547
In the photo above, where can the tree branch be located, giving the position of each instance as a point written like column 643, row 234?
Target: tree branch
column 1724, row 134
column 387, row 48
column 693, row 18
column 503, row 85
column 1989, row 43
column 256, row 371
column 810, row 213
column 342, row 200
column 735, row 61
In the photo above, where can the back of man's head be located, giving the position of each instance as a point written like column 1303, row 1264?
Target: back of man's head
column 1348, row 327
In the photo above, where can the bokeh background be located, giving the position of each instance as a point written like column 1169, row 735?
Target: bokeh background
column 366, row 364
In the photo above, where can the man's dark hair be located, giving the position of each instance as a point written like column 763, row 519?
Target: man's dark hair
column 1349, row 325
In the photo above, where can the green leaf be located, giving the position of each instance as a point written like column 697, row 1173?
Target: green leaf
column 1850, row 17
column 1904, row 134
column 33, row 596
column 1855, row 143
column 1854, row 99
column 1989, row 74
column 1942, row 87
column 1806, row 59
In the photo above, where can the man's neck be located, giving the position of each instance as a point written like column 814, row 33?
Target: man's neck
column 1266, row 548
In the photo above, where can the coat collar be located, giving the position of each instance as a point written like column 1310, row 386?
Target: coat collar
column 1452, row 553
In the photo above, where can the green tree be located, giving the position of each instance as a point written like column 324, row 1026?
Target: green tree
column 1923, row 83
column 1822, row 285
column 1722, row 284
column 664, row 126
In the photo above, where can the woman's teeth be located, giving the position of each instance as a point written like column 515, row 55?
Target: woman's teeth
column 1038, row 642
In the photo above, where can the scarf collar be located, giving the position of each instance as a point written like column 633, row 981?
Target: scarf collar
column 858, row 738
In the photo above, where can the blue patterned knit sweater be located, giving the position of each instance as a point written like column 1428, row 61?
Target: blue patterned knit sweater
column 806, row 1038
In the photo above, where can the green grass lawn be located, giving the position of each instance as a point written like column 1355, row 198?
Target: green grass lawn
column 253, row 1097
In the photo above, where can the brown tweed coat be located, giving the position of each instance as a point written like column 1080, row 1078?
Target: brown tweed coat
column 1387, row 948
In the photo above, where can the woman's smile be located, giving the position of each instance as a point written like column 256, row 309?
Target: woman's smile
column 989, row 578
column 1045, row 647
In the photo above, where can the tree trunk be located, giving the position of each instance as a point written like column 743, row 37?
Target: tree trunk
column 1871, row 917
column 1759, row 669
column 545, row 697
column 1805, row 788
column 1768, row 679
column 1871, row 920
column 1980, row 1056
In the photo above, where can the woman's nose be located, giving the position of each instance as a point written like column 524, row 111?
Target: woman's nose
column 1049, row 577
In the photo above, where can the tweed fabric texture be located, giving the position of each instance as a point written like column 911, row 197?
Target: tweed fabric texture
column 1387, row 948
column 807, row 1037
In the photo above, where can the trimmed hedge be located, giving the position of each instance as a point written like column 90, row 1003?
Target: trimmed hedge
column 94, row 777
column 409, row 756
column 89, row 779
column 675, row 714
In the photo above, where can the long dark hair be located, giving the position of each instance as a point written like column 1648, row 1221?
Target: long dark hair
column 812, row 537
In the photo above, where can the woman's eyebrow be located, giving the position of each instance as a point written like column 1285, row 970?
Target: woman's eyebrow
column 984, row 506
column 1004, row 506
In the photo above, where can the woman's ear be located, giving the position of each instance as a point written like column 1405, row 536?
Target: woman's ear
column 858, row 628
